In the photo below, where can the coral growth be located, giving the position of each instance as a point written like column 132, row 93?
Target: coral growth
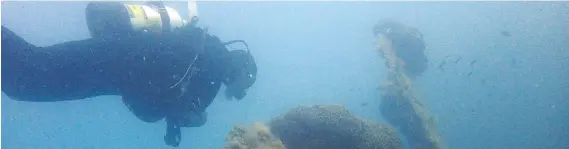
column 257, row 136
column 331, row 127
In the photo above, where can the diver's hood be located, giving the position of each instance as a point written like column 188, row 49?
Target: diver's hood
column 242, row 73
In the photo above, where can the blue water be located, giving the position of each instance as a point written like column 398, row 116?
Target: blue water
column 517, row 95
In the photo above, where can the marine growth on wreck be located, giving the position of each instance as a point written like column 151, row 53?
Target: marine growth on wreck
column 403, row 49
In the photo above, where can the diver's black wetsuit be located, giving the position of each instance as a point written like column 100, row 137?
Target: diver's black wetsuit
column 142, row 69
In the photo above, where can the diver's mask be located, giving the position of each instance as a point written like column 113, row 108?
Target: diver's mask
column 242, row 73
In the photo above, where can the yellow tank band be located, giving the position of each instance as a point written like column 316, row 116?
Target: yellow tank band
column 136, row 11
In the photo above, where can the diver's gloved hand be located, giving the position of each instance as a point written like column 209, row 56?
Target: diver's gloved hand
column 173, row 134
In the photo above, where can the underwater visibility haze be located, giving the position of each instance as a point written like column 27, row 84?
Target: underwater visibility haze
column 497, row 73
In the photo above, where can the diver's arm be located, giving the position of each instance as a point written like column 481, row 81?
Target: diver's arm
column 173, row 133
column 189, row 111
column 173, row 129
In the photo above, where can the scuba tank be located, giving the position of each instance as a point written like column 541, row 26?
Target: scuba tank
column 114, row 19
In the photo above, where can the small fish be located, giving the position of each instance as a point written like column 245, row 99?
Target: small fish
column 364, row 104
column 457, row 60
column 441, row 65
column 472, row 62
column 490, row 94
column 470, row 73
column 506, row 33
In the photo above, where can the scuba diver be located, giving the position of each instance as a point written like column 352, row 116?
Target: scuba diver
column 163, row 67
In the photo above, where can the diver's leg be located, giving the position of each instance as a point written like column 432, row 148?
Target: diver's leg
column 67, row 71
column 15, row 59
column 173, row 133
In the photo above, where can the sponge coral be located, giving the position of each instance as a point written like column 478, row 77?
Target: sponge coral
column 331, row 127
